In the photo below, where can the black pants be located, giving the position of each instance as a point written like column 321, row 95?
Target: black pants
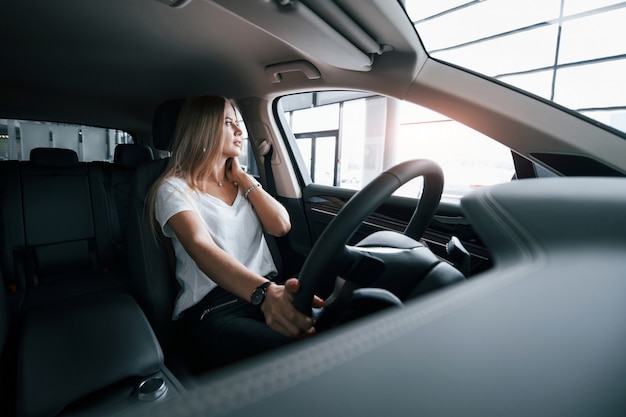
column 225, row 328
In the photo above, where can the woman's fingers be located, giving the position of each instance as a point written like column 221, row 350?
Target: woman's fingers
column 280, row 313
column 290, row 325
column 317, row 302
column 294, row 329
column 293, row 285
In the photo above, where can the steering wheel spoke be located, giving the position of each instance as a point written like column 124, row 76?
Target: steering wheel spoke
column 363, row 268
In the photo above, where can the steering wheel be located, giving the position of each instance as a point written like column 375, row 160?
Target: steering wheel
column 330, row 255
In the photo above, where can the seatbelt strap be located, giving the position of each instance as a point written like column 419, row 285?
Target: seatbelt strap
column 270, row 187
column 111, row 207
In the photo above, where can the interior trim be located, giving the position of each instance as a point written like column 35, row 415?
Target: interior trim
column 299, row 26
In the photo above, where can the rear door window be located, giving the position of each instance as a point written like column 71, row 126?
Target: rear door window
column 19, row 137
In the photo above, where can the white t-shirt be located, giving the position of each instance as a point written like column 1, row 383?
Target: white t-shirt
column 236, row 229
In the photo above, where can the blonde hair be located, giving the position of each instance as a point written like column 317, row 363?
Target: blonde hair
column 197, row 144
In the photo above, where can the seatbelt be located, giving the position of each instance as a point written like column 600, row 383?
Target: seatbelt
column 106, row 177
column 269, row 174
column 270, row 187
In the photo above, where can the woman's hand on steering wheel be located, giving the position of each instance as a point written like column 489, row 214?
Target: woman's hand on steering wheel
column 281, row 315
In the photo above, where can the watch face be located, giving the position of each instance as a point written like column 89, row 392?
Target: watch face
column 257, row 296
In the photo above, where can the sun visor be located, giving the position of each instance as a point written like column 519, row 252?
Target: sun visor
column 322, row 30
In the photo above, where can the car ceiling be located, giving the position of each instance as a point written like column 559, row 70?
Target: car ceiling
column 111, row 63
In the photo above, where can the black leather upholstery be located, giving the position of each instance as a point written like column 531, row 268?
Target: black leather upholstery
column 70, row 329
column 11, row 221
column 130, row 156
column 78, row 347
column 53, row 157
column 7, row 357
column 67, row 246
column 164, row 123
column 152, row 277
column 58, row 217
column 151, row 271
column 120, row 176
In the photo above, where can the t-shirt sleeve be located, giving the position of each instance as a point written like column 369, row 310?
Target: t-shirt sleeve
column 172, row 197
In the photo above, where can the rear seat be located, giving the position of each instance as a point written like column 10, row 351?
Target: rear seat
column 66, row 245
column 71, row 328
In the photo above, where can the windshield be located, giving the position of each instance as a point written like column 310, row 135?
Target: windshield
column 571, row 52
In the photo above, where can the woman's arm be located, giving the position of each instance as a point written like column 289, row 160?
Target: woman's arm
column 234, row 277
column 273, row 215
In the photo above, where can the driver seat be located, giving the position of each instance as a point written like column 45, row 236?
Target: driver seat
column 150, row 258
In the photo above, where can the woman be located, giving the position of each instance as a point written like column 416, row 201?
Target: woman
column 215, row 215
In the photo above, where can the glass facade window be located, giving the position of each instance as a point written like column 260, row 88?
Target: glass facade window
column 571, row 52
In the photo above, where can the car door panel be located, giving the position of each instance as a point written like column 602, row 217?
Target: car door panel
column 322, row 203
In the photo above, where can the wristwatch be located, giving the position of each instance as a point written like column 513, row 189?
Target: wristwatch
column 258, row 295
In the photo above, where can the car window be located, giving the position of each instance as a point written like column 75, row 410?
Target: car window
column 19, row 137
column 346, row 139
column 571, row 52
column 246, row 158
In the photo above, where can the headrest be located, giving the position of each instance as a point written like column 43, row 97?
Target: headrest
column 132, row 155
column 53, row 157
column 164, row 123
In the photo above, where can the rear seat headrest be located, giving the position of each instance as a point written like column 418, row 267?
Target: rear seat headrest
column 132, row 155
column 53, row 157
column 164, row 123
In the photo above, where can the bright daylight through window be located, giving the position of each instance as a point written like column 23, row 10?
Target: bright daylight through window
column 346, row 139
column 568, row 51
column 571, row 52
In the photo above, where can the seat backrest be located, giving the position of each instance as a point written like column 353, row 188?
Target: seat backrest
column 11, row 222
column 57, row 236
column 149, row 255
column 58, row 217
column 126, row 160
column 119, row 177
column 131, row 155
column 152, row 277
column 7, row 356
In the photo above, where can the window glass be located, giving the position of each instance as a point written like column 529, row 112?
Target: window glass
column 478, row 20
column 374, row 133
column 502, row 55
column 246, row 158
column 603, row 90
column 579, row 6
column 592, row 37
column 569, row 51
column 19, row 137
column 325, row 160
column 316, row 119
